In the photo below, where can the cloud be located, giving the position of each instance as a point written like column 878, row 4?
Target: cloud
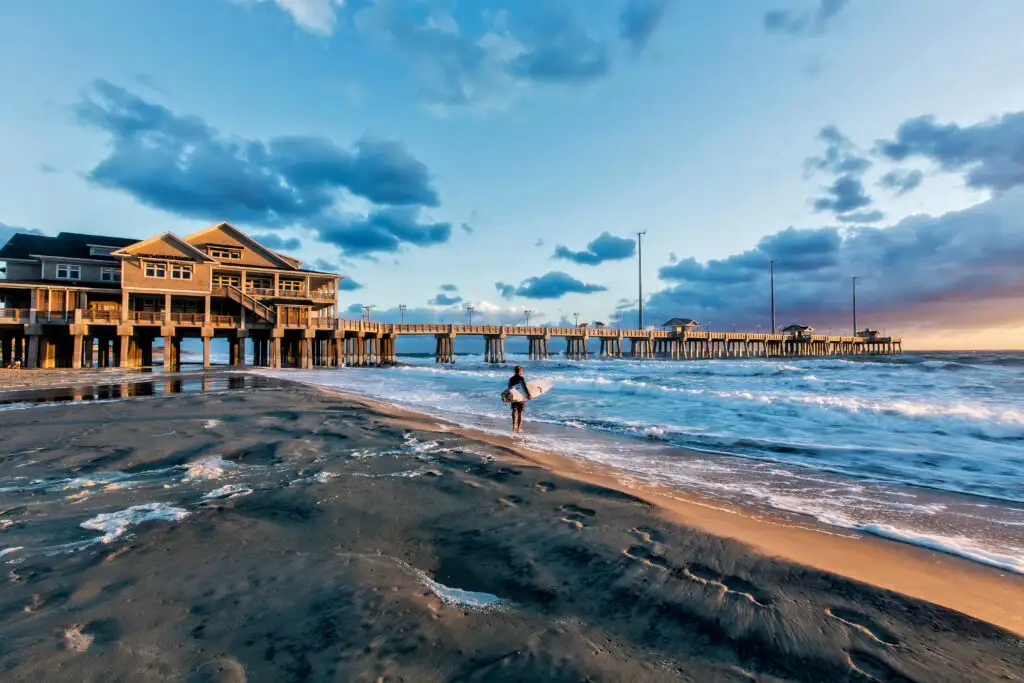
column 48, row 168
column 872, row 216
column 7, row 230
column 182, row 165
column 846, row 193
column 606, row 247
column 539, row 242
column 901, row 181
column 449, row 288
column 383, row 230
column 551, row 285
column 349, row 285
column 957, row 270
column 443, row 299
column 564, row 52
column 990, row 154
column 315, row 16
column 487, row 70
column 276, row 242
column 672, row 258
column 796, row 23
column 639, row 20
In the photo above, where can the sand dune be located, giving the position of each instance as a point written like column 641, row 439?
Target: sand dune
column 292, row 535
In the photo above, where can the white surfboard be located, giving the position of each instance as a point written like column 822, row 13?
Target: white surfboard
column 537, row 387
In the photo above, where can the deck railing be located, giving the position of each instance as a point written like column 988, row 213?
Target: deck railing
column 101, row 316
column 15, row 314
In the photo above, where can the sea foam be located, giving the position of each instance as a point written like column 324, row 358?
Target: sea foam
column 113, row 525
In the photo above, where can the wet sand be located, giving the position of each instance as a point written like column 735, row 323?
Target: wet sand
column 307, row 536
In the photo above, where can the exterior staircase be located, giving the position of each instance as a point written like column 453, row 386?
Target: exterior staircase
column 250, row 303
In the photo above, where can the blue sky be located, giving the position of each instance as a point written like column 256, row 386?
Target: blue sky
column 504, row 152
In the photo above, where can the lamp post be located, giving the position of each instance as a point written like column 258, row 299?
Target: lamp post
column 771, row 265
column 734, row 328
column 366, row 313
column 757, row 327
column 640, row 275
column 576, row 316
column 469, row 310
column 401, row 308
column 854, row 280
column 618, row 320
column 527, row 312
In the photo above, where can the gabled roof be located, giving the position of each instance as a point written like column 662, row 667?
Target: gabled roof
column 290, row 259
column 64, row 245
column 242, row 237
column 796, row 328
column 679, row 322
column 140, row 247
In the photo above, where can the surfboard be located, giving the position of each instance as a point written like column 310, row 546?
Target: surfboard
column 537, row 387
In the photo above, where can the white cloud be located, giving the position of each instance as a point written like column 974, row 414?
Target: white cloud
column 316, row 16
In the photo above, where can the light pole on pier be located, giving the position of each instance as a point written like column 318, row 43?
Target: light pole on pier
column 527, row 312
column 618, row 320
column 401, row 308
column 469, row 310
column 854, row 280
column 734, row 327
column 366, row 312
column 640, row 276
column 577, row 317
column 771, row 265
column 757, row 327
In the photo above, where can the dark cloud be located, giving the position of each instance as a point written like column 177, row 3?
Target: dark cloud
column 901, row 181
column 845, row 194
column 991, row 153
column 182, row 165
column 605, row 247
column 551, row 285
column 484, row 70
column 349, row 285
column 639, row 20
column 443, row 299
column 923, row 271
column 449, row 288
column 841, row 156
column 278, row 243
column 803, row 23
column 7, row 230
column 467, row 228
column 872, row 216
column 383, row 230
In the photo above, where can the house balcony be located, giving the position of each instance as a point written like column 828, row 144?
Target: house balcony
column 316, row 295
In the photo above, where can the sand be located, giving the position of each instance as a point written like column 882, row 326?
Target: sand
column 287, row 534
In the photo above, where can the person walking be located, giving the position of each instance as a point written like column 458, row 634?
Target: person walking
column 518, row 381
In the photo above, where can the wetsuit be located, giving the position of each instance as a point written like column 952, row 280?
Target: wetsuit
column 519, row 381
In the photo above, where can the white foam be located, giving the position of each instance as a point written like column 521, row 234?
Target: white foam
column 953, row 545
column 228, row 491
column 116, row 524
column 8, row 551
column 211, row 467
column 210, row 424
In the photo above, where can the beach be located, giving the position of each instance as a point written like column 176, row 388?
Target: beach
column 285, row 532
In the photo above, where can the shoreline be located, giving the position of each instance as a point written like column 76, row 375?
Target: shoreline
column 938, row 577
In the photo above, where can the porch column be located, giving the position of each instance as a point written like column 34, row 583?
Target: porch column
column 33, row 351
column 124, row 305
column 206, row 319
column 76, row 351
column 167, row 309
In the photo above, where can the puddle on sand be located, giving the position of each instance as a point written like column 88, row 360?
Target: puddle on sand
column 186, row 384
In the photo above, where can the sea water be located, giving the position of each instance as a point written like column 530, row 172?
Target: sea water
column 923, row 448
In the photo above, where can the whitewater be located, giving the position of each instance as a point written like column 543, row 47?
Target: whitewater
column 922, row 448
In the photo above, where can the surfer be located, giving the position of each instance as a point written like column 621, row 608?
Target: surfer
column 517, row 380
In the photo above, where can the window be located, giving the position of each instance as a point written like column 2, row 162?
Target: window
column 156, row 269
column 181, row 271
column 68, row 271
column 291, row 285
column 216, row 252
column 221, row 280
column 101, row 251
column 110, row 275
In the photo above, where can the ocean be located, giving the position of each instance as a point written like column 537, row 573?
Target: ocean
column 924, row 448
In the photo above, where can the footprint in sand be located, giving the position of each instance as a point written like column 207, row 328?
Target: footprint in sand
column 728, row 584
column 545, row 486
column 511, row 501
column 863, row 624
column 575, row 515
column 874, row 669
column 647, row 535
column 220, row 670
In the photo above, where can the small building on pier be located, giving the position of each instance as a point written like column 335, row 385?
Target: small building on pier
column 681, row 326
column 798, row 330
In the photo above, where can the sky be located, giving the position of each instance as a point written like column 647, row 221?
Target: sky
column 504, row 154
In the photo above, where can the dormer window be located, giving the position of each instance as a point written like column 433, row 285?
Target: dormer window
column 225, row 253
column 69, row 271
column 99, row 250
